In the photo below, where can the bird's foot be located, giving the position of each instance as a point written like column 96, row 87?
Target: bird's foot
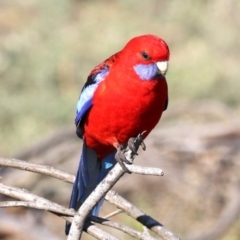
column 133, row 146
column 135, row 143
column 121, row 158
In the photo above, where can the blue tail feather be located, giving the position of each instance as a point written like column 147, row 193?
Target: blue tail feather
column 106, row 165
column 90, row 172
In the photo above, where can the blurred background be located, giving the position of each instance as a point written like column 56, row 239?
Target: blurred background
column 48, row 48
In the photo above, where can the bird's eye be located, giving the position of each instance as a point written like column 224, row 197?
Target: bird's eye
column 145, row 56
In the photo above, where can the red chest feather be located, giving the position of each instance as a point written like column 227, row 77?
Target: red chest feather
column 123, row 109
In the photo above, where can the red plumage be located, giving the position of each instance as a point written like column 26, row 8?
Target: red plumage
column 124, row 105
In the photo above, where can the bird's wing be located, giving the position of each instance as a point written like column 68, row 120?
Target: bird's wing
column 96, row 76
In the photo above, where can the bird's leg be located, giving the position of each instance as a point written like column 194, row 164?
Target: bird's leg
column 135, row 143
column 133, row 146
column 121, row 158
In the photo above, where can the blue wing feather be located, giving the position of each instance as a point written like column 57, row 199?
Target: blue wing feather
column 85, row 100
column 97, row 75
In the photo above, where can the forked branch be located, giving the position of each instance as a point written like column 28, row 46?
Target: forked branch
column 33, row 201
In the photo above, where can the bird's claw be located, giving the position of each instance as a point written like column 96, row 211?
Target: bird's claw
column 133, row 146
column 121, row 158
column 134, row 143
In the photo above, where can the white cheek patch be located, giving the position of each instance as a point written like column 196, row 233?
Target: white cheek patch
column 163, row 67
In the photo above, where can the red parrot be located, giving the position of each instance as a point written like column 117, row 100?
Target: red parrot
column 123, row 96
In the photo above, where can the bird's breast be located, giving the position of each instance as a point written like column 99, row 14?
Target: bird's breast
column 121, row 111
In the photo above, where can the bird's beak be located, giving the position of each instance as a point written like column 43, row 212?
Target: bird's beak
column 162, row 67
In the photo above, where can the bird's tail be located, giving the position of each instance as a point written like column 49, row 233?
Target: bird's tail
column 90, row 172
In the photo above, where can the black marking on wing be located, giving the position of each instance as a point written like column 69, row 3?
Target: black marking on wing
column 105, row 65
column 90, row 80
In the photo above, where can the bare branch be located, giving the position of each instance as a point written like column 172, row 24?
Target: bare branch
column 146, row 231
column 98, row 193
column 113, row 213
column 70, row 212
column 41, row 202
column 145, row 170
column 102, row 188
column 47, row 206
column 140, row 216
column 97, row 232
column 140, row 235
column 34, row 201
column 38, row 168
column 65, row 176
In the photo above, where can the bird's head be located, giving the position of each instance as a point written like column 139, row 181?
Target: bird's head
column 149, row 55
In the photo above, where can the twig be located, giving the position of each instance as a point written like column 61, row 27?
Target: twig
column 41, row 202
column 100, row 191
column 113, row 213
column 97, row 232
column 140, row 235
column 90, row 228
column 38, row 168
column 146, row 232
column 33, row 201
column 69, row 212
column 65, row 176
column 145, row 170
column 47, row 206
column 102, row 188
column 140, row 216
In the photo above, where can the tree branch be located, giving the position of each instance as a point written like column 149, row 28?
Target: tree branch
column 103, row 187
column 65, row 176
column 145, row 170
column 97, row 232
column 113, row 213
column 100, row 191
column 140, row 235
column 37, row 168
column 70, row 212
column 40, row 202
column 140, row 216
column 33, row 201
column 29, row 200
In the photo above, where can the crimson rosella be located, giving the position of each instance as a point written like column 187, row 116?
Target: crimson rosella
column 123, row 96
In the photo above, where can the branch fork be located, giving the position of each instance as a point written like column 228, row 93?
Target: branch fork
column 78, row 218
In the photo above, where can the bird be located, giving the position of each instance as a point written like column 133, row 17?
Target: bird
column 123, row 96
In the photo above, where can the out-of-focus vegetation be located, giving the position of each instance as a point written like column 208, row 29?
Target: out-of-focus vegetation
column 48, row 47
